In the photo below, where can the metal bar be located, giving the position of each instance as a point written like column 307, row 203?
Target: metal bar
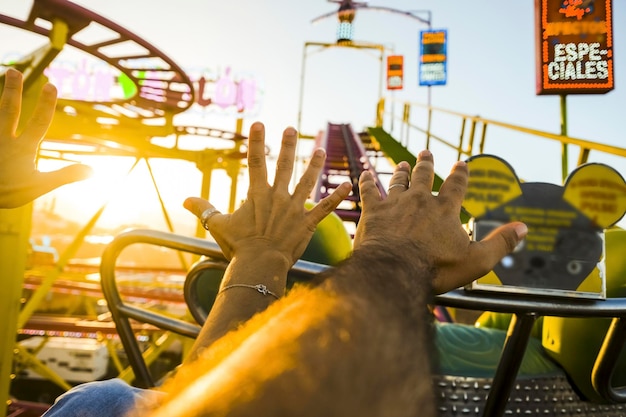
column 65, row 257
column 583, row 143
column 583, row 156
column 564, row 156
column 460, row 151
column 605, row 364
column 540, row 305
column 122, row 312
column 472, row 134
column 438, row 138
column 14, row 232
column 33, row 362
column 428, row 125
column 406, row 122
column 483, row 138
column 510, row 361
column 166, row 215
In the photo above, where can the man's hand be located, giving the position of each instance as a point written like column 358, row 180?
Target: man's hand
column 412, row 222
column 20, row 182
column 271, row 218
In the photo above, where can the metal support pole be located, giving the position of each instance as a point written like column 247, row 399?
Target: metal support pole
column 510, row 361
column 301, row 101
column 429, row 23
column 205, row 192
column 14, row 234
column 564, row 163
column 430, row 117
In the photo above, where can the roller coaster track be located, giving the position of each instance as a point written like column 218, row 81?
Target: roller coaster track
column 346, row 159
column 163, row 89
column 167, row 90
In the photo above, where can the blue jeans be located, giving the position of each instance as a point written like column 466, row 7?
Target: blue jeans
column 109, row 398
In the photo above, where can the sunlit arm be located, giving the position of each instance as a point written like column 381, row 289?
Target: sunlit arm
column 358, row 343
column 235, row 305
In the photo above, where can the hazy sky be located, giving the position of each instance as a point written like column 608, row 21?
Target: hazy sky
column 491, row 63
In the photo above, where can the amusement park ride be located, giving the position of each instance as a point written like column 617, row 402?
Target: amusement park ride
column 550, row 353
column 347, row 12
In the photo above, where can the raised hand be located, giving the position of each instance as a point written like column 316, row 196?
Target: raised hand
column 264, row 237
column 20, row 181
column 271, row 218
column 412, row 222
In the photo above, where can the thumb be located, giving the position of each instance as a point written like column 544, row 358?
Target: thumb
column 500, row 242
column 481, row 258
column 66, row 175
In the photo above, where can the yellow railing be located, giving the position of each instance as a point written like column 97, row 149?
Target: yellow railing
column 410, row 121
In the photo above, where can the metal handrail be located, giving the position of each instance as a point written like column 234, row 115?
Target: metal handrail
column 525, row 308
column 122, row 313
column 476, row 123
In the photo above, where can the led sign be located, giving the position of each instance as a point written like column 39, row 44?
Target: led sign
column 432, row 61
column 395, row 72
column 574, row 46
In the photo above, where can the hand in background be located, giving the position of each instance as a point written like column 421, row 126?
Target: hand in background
column 413, row 222
column 20, row 181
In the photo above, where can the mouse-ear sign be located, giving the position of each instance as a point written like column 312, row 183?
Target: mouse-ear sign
column 492, row 183
column 598, row 191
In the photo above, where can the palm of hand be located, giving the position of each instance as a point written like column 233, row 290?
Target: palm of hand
column 20, row 182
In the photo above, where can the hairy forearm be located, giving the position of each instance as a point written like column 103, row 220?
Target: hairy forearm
column 391, row 283
column 356, row 344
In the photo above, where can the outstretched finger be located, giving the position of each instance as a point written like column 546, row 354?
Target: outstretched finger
column 368, row 189
column 454, row 187
column 400, row 179
column 42, row 116
column 284, row 165
column 328, row 204
column 257, row 170
column 309, row 178
column 10, row 103
column 423, row 173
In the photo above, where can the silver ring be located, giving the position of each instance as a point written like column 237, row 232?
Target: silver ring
column 206, row 215
column 397, row 185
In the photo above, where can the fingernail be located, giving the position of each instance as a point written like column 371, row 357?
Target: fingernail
column 521, row 230
column 425, row 153
column 12, row 72
column 49, row 88
column 290, row 131
column 460, row 164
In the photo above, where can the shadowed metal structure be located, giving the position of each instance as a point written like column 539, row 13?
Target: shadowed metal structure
column 119, row 127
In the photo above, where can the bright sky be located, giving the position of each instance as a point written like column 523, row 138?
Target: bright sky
column 491, row 68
